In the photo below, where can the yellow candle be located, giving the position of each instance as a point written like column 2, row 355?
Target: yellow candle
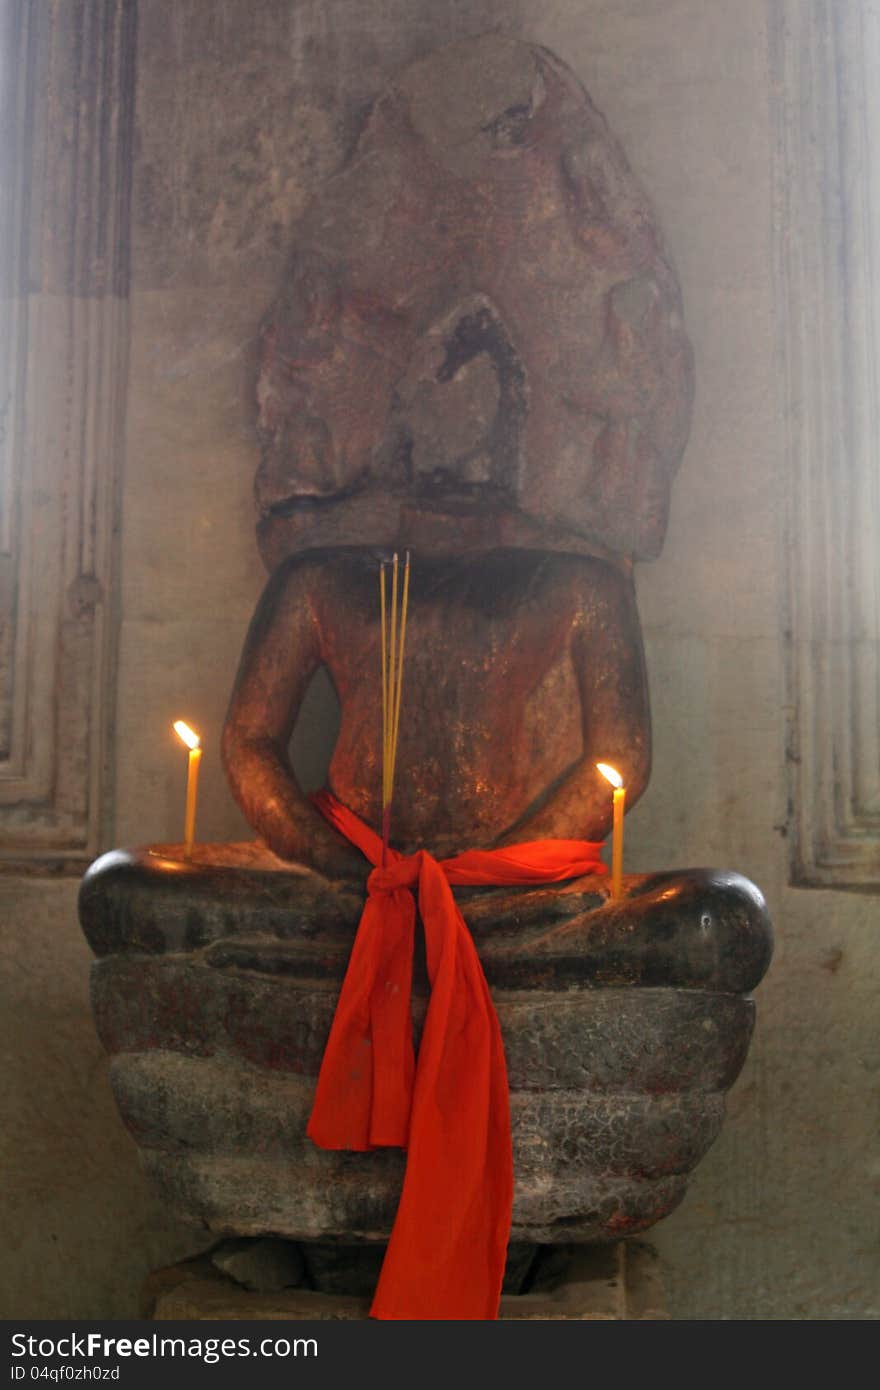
column 191, row 739
column 613, row 776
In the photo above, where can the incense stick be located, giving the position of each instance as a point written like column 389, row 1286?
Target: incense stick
column 393, row 646
column 392, row 676
column 396, row 726
column 384, row 686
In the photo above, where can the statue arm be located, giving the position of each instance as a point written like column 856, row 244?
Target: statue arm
column 281, row 654
column 608, row 660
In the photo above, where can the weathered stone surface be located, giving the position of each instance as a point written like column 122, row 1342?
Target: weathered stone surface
column 166, row 1100
column 249, row 1196
column 651, row 1040
column 154, row 901
column 243, row 112
column 480, row 311
column 619, row 1282
column 264, row 1266
column 623, row 1027
column 227, row 1145
column 270, row 1265
column 696, row 928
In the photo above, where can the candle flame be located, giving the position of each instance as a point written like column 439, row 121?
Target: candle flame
column 186, row 734
column 610, row 774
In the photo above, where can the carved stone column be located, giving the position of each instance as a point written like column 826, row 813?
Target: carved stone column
column 66, row 113
column 825, row 58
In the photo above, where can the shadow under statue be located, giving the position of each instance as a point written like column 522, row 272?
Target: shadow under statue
column 478, row 355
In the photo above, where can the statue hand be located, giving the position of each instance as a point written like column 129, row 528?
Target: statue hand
column 318, row 847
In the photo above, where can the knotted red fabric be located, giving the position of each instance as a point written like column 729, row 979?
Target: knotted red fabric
column 451, row 1110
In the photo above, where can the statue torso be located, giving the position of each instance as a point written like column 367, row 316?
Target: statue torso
column 490, row 708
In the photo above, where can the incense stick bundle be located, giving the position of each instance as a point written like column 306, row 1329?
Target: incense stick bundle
column 393, row 644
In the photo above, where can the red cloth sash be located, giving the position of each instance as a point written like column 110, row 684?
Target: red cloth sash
column 451, row 1110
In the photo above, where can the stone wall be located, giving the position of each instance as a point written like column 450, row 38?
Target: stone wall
column 240, row 110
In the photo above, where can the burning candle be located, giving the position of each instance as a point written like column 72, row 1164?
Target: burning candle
column 191, row 739
column 613, row 776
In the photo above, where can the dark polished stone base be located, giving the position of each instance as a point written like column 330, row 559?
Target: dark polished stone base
column 624, row 1024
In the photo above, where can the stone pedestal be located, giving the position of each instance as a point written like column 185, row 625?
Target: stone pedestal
column 618, row 1282
column 624, row 1024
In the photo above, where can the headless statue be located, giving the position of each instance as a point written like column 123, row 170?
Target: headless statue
column 479, row 355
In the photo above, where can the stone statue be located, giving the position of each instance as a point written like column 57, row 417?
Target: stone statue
column 478, row 355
